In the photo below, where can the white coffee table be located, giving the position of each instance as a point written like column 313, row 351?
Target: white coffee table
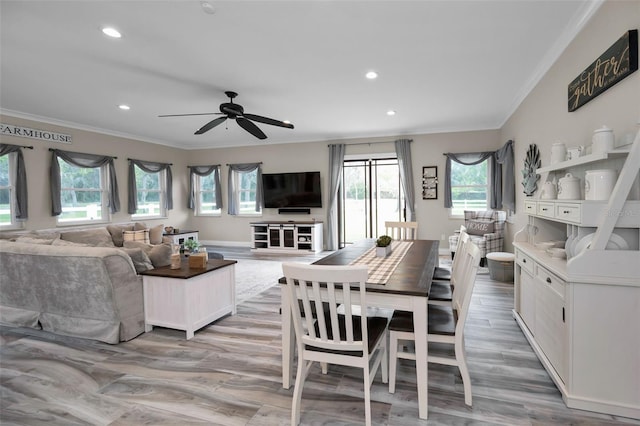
column 189, row 298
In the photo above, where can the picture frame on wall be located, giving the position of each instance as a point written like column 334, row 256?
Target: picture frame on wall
column 430, row 183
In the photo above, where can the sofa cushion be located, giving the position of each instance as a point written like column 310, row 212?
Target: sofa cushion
column 160, row 254
column 116, row 233
column 31, row 240
column 60, row 242
column 98, row 237
column 139, row 258
column 142, row 236
column 155, row 234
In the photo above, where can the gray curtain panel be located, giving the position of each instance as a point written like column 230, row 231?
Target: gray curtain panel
column 204, row 171
column 243, row 168
column 22, row 204
column 336, row 162
column 86, row 161
column 148, row 167
column 403, row 151
column 504, row 193
column 468, row 159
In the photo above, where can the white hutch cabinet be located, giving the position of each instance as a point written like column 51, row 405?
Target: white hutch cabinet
column 582, row 315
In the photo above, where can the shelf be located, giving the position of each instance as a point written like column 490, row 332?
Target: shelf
column 621, row 152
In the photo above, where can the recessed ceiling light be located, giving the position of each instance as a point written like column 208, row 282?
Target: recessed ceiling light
column 111, row 32
column 391, row 112
column 371, row 75
column 124, row 107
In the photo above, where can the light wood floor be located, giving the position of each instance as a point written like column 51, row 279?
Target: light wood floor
column 230, row 374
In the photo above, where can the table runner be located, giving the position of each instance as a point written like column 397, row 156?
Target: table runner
column 381, row 268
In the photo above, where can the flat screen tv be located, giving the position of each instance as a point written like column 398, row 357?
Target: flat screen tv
column 281, row 190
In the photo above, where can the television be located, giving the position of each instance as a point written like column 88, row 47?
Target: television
column 282, row 190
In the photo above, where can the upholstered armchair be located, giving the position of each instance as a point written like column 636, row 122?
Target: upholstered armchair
column 486, row 229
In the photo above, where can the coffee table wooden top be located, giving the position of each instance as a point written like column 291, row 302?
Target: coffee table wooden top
column 186, row 272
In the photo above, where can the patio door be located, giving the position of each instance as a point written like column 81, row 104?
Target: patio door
column 370, row 194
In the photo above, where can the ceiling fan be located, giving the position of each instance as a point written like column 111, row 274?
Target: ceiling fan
column 236, row 112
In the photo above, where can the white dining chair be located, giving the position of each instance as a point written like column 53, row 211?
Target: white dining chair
column 445, row 325
column 402, row 230
column 333, row 338
column 441, row 291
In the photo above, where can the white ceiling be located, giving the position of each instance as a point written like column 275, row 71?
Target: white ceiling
column 443, row 65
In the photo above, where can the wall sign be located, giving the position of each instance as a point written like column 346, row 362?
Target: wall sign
column 620, row 60
column 430, row 183
column 25, row 132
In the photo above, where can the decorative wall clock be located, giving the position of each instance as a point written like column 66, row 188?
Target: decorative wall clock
column 529, row 175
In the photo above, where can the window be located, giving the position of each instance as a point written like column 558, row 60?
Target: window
column 245, row 185
column 83, row 195
column 151, row 193
column 206, row 196
column 469, row 187
column 7, row 191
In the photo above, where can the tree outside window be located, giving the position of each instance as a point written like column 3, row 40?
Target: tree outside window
column 7, row 212
column 246, row 184
column 469, row 187
column 82, row 193
column 150, row 193
column 206, row 196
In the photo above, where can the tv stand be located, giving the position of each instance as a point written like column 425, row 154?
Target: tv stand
column 286, row 236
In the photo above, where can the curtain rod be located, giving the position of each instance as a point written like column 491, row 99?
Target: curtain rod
column 260, row 162
column 145, row 161
column 26, row 146
column 367, row 143
column 212, row 165
column 52, row 149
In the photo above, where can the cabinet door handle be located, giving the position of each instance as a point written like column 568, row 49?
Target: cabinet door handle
column 549, row 280
column 563, row 314
column 544, row 210
column 566, row 211
column 524, row 260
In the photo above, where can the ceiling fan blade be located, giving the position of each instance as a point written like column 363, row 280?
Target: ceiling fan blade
column 210, row 125
column 266, row 120
column 251, row 128
column 185, row 115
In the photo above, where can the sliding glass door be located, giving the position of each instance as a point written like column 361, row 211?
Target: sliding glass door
column 371, row 194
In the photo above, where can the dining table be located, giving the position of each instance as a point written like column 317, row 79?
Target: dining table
column 406, row 288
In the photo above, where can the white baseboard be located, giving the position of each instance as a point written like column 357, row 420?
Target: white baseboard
column 226, row 243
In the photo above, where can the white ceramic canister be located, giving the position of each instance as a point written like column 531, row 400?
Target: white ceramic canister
column 558, row 152
column 569, row 188
column 549, row 191
column 603, row 140
column 598, row 184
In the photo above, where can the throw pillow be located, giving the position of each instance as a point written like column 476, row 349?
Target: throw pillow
column 142, row 236
column 155, row 234
column 478, row 227
column 116, row 233
column 139, row 258
column 140, row 226
column 98, row 237
column 60, row 242
column 160, row 254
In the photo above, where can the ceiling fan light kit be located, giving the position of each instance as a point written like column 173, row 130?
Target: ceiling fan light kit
column 236, row 112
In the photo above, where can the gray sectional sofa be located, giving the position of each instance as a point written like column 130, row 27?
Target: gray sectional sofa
column 76, row 283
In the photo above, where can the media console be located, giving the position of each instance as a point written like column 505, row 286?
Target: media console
column 286, row 237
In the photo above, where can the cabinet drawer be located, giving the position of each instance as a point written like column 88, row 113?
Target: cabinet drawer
column 568, row 212
column 550, row 279
column 545, row 209
column 524, row 261
column 530, row 207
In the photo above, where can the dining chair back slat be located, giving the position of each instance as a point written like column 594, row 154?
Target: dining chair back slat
column 402, row 230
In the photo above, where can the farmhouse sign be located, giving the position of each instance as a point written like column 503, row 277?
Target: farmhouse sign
column 620, row 60
column 25, row 132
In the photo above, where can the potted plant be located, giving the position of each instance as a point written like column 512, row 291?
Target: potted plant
column 383, row 246
column 191, row 246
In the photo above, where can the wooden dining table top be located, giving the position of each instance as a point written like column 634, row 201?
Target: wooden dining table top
column 413, row 274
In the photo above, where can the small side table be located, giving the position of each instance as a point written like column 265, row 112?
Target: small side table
column 189, row 298
column 501, row 266
column 179, row 238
